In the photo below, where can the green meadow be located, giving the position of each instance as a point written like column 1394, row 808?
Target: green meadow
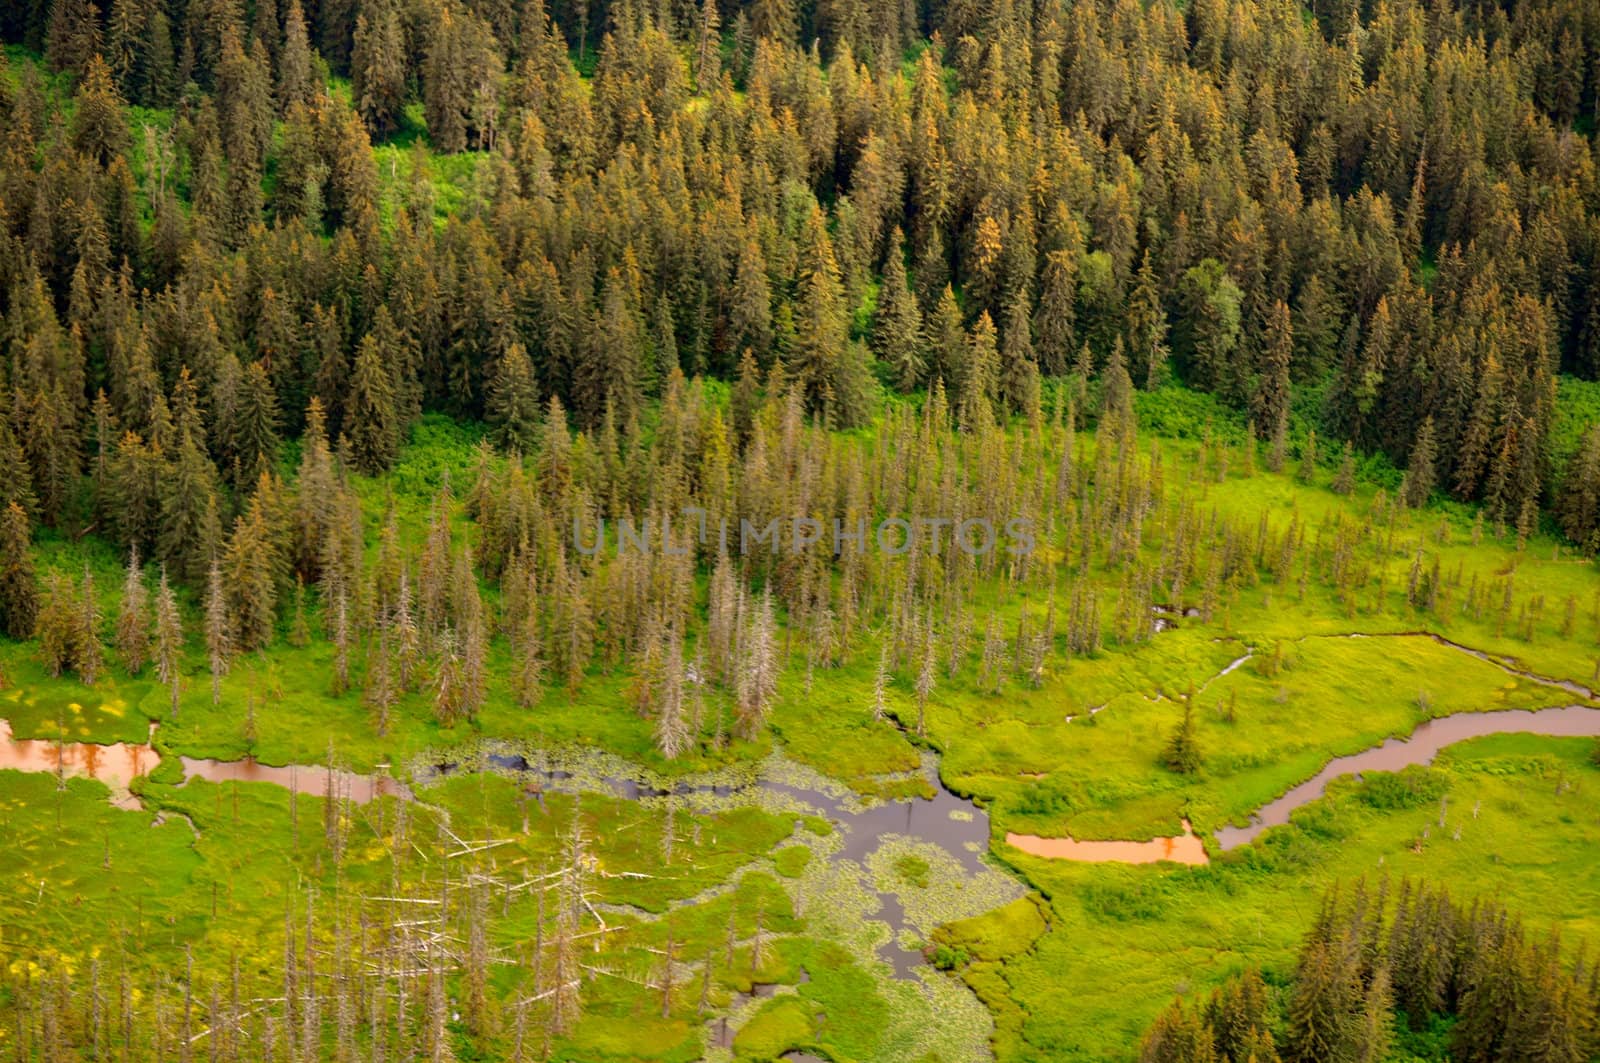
column 1035, row 960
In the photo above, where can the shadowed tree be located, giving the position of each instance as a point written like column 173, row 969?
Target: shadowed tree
column 371, row 421
column 19, row 590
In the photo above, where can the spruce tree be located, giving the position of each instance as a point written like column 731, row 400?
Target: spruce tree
column 1307, row 471
column 1147, row 327
column 88, row 651
column 19, row 590
column 950, row 355
column 251, row 588
column 1578, row 503
column 125, row 43
column 1055, row 320
column 133, row 622
column 820, row 323
column 219, row 635
column 1183, row 748
column 446, row 94
column 168, row 640
column 99, row 120
column 514, row 401
column 1019, row 375
column 981, row 382
column 1421, row 469
column 185, row 493
column 371, row 421
column 1270, row 404
column 295, row 76
column 1344, row 481
column 255, row 424
column 377, row 67
column 897, row 328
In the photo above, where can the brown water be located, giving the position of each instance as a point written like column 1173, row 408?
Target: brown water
column 115, row 764
column 1572, row 721
column 1185, row 848
column 118, row 763
column 310, row 781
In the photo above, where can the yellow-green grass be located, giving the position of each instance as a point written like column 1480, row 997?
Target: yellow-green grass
column 1125, row 939
column 1327, row 697
column 1121, row 939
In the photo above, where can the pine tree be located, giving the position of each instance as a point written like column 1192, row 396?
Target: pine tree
column 371, row 420
column 377, row 67
column 219, row 637
column 897, row 329
column 1055, row 320
column 295, row 83
column 514, row 401
column 1271, row 402
column 168, row 640
column 133, row 623
column 1183, row 749
column 981, row 381
column 1345, row 480
column 251, row 597
column 19, row 590
column 88, row 652
column 1019, row 375
column 1420, row 470
column 99, row 120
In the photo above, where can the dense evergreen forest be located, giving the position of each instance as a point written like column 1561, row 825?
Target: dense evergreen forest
column 269, row 269
column 1387, row 210
column 1381, row 978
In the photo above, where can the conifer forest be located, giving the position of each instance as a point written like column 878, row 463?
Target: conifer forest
column 877, row 531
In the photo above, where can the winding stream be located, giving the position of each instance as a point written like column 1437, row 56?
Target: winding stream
column 952, row 823
column 1423, row 744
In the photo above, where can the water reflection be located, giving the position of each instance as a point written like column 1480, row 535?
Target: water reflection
column 115, row 764
column 1185, row 848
